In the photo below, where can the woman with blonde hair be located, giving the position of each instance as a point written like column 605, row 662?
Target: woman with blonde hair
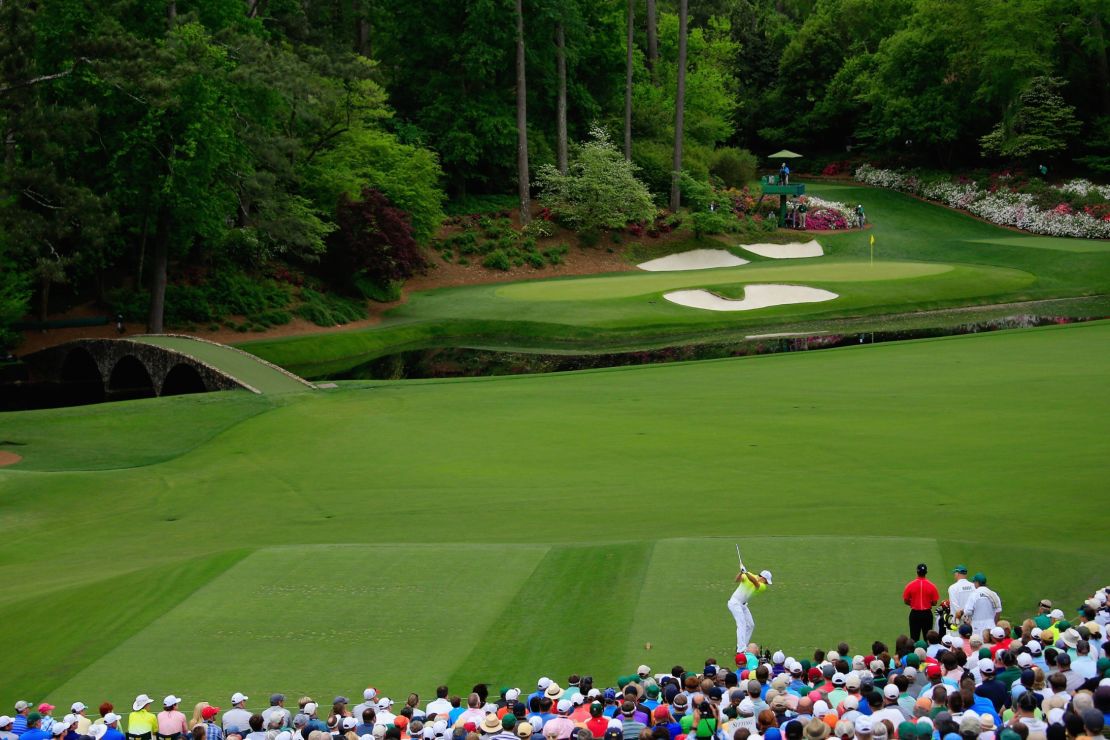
column 198, row 715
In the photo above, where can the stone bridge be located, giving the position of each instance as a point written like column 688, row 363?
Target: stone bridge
column 92, row 370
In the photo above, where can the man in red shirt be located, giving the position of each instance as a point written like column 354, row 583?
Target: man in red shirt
column 920, row 596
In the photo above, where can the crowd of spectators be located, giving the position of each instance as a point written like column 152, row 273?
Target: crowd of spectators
column 1045, row 679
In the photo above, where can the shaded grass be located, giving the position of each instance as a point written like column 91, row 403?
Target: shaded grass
column 61, row 634
column 125, row 434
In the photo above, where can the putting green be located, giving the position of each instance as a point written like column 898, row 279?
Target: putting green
column 411, row 532
column 635, row 284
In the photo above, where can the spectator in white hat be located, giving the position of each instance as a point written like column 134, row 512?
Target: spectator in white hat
column 890, row 710
column 6, row 723
column 238, row 716
column 77, row 709
column 111, row 723
column 384, row 710
column 171, row 722
column 19, row 721
column 141, row 723
column 369, row 701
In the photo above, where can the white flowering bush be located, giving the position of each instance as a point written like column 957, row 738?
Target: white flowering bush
column 1003, row 207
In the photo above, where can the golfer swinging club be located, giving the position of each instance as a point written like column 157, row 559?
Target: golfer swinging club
column 738, row 603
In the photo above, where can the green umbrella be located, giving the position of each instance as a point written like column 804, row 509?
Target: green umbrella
column 784, row 154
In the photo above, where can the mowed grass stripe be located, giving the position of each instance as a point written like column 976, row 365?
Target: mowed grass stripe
column 825, row 588
column 312, row 619
column 61, row 635
column 572, row 615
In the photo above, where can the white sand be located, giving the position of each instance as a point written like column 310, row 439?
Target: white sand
column 755, row 296
column 695, row 259
column 794, row 250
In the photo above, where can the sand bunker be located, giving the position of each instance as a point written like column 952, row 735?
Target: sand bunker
column 755, row 296
column 8, row 458
column 794, row 250
column 695, row 259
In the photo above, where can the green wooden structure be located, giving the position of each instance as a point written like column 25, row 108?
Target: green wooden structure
column 770, row 186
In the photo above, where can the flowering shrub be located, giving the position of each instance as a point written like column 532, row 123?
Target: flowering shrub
column 1001, row 204
column 827, row 215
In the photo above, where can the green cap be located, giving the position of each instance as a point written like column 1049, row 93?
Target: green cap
column 913, row 659
column 1063, row 625
column 508, row 721
column 652, row 689
column 980, row 578
column 960, row 569
column 984, row 652
column 1043, row 621
column 33, row 717
column 924, row 730
column 1008, row 734
column 623, row 681
column 1102, row 666
column 921, row 644
column 907, row 729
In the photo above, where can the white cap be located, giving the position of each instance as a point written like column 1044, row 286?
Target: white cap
column 838, row 679
column 1034, row 647
column 909, row 672
column 766, row 574
column 385, row 702
column 820, row 708
column 643, row 670
column 59, row 728
column 577, row 700
column 512, row 694
column 141, row 701
column 592, row 693
column 97, row 731
column 997, row 632
column 747, row 706
column 5, row 720
column 1025, row 660
column 439, row 727
column 537, row 722
column 890, row 691
column 1056, row 614
column 852, row 681
column 543, row 683
column 1055, row 716
column 170, row 700
column 564, row 706
column 310, row 708
column 986, row 665
column 380, row 730
column 78, row 707
column 369, row 694
column 349, row 723
column 779, row 657
column 946, row 640
column 957, row 641
column 832, row 656
column 863, row 725
column 111, row 718
column 850, row 703
column 238, row 698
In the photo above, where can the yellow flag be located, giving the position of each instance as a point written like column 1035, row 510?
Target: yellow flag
column 872, row 240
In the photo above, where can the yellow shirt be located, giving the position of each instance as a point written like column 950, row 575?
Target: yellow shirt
column 141, row 722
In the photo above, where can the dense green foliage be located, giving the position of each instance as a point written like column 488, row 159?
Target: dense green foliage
column 141, row 135
column 599, row 190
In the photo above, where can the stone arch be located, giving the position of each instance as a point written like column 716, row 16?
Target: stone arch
column 79, row 380
column 130, row 379
column 182, row 379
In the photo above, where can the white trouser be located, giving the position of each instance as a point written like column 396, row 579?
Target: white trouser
column 745, row 625
column 978, row 628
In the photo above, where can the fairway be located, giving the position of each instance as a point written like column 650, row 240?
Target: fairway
column 408, row 533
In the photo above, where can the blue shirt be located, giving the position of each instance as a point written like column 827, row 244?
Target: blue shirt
column 113, row 734
column 214, row 731
column 36, row 734
column 19, row 724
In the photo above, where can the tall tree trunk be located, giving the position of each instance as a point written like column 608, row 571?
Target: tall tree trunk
column 171, row 13
column 160, row 259
column 361, row 13
column 679, row 106
column 628, row 83
column 44, row 297
column 561, row 107
column 653, row 41
column 521, row 120
column 1102, row 64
